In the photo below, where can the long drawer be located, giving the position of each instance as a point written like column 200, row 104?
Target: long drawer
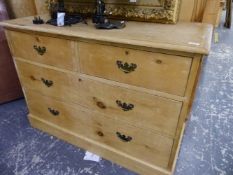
column 141, row 144
column 42, row 49
column 161, row 72
column 138, row 108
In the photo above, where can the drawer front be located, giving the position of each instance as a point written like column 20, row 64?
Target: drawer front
column 140, row 109
column 46, row 50
column 137, row 108
column 141, row 144
column 166, row 73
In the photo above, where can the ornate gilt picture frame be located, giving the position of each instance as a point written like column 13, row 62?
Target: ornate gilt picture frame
column 163, row 11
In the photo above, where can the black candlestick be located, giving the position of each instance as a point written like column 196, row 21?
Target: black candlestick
column 61, row 6
column 99, row 17
column 101, row 20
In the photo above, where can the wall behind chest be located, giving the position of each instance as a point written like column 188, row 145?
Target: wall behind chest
column 21, row 8
column 190, row 10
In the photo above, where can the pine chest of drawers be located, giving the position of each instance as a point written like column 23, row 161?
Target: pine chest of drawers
column 123, row 94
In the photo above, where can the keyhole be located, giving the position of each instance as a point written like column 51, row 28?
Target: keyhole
column 32, row 78
column 159, row 61
column 37, row 39
column 101, row 134
column 101, row 105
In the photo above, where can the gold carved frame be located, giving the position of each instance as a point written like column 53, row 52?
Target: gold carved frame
column 163, row 11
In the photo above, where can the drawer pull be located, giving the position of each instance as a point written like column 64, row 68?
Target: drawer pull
column 48, row 83
column 54, row 112
column 125, row 106
column 124, row 138
column 126, row 67
column 40, row 50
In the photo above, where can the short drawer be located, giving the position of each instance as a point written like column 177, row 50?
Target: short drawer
column 42, row 49
column 162, row 72
column 137, row 108
column 141, row 144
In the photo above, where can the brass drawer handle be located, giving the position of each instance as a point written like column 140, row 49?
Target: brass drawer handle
column 125, row 106
column 124, row 138
column 40, row 50
column 54, row 112
column 126, row 67
column 48, row 83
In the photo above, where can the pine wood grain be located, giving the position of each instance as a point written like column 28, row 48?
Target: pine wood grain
column 105, row 151
column 59, row 53
column 144, row 144
column 183, row 37
column 101, row 61
column 158, row 113
column 149, row 111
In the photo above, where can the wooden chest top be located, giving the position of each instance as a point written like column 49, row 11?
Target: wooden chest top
column 183, row 37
